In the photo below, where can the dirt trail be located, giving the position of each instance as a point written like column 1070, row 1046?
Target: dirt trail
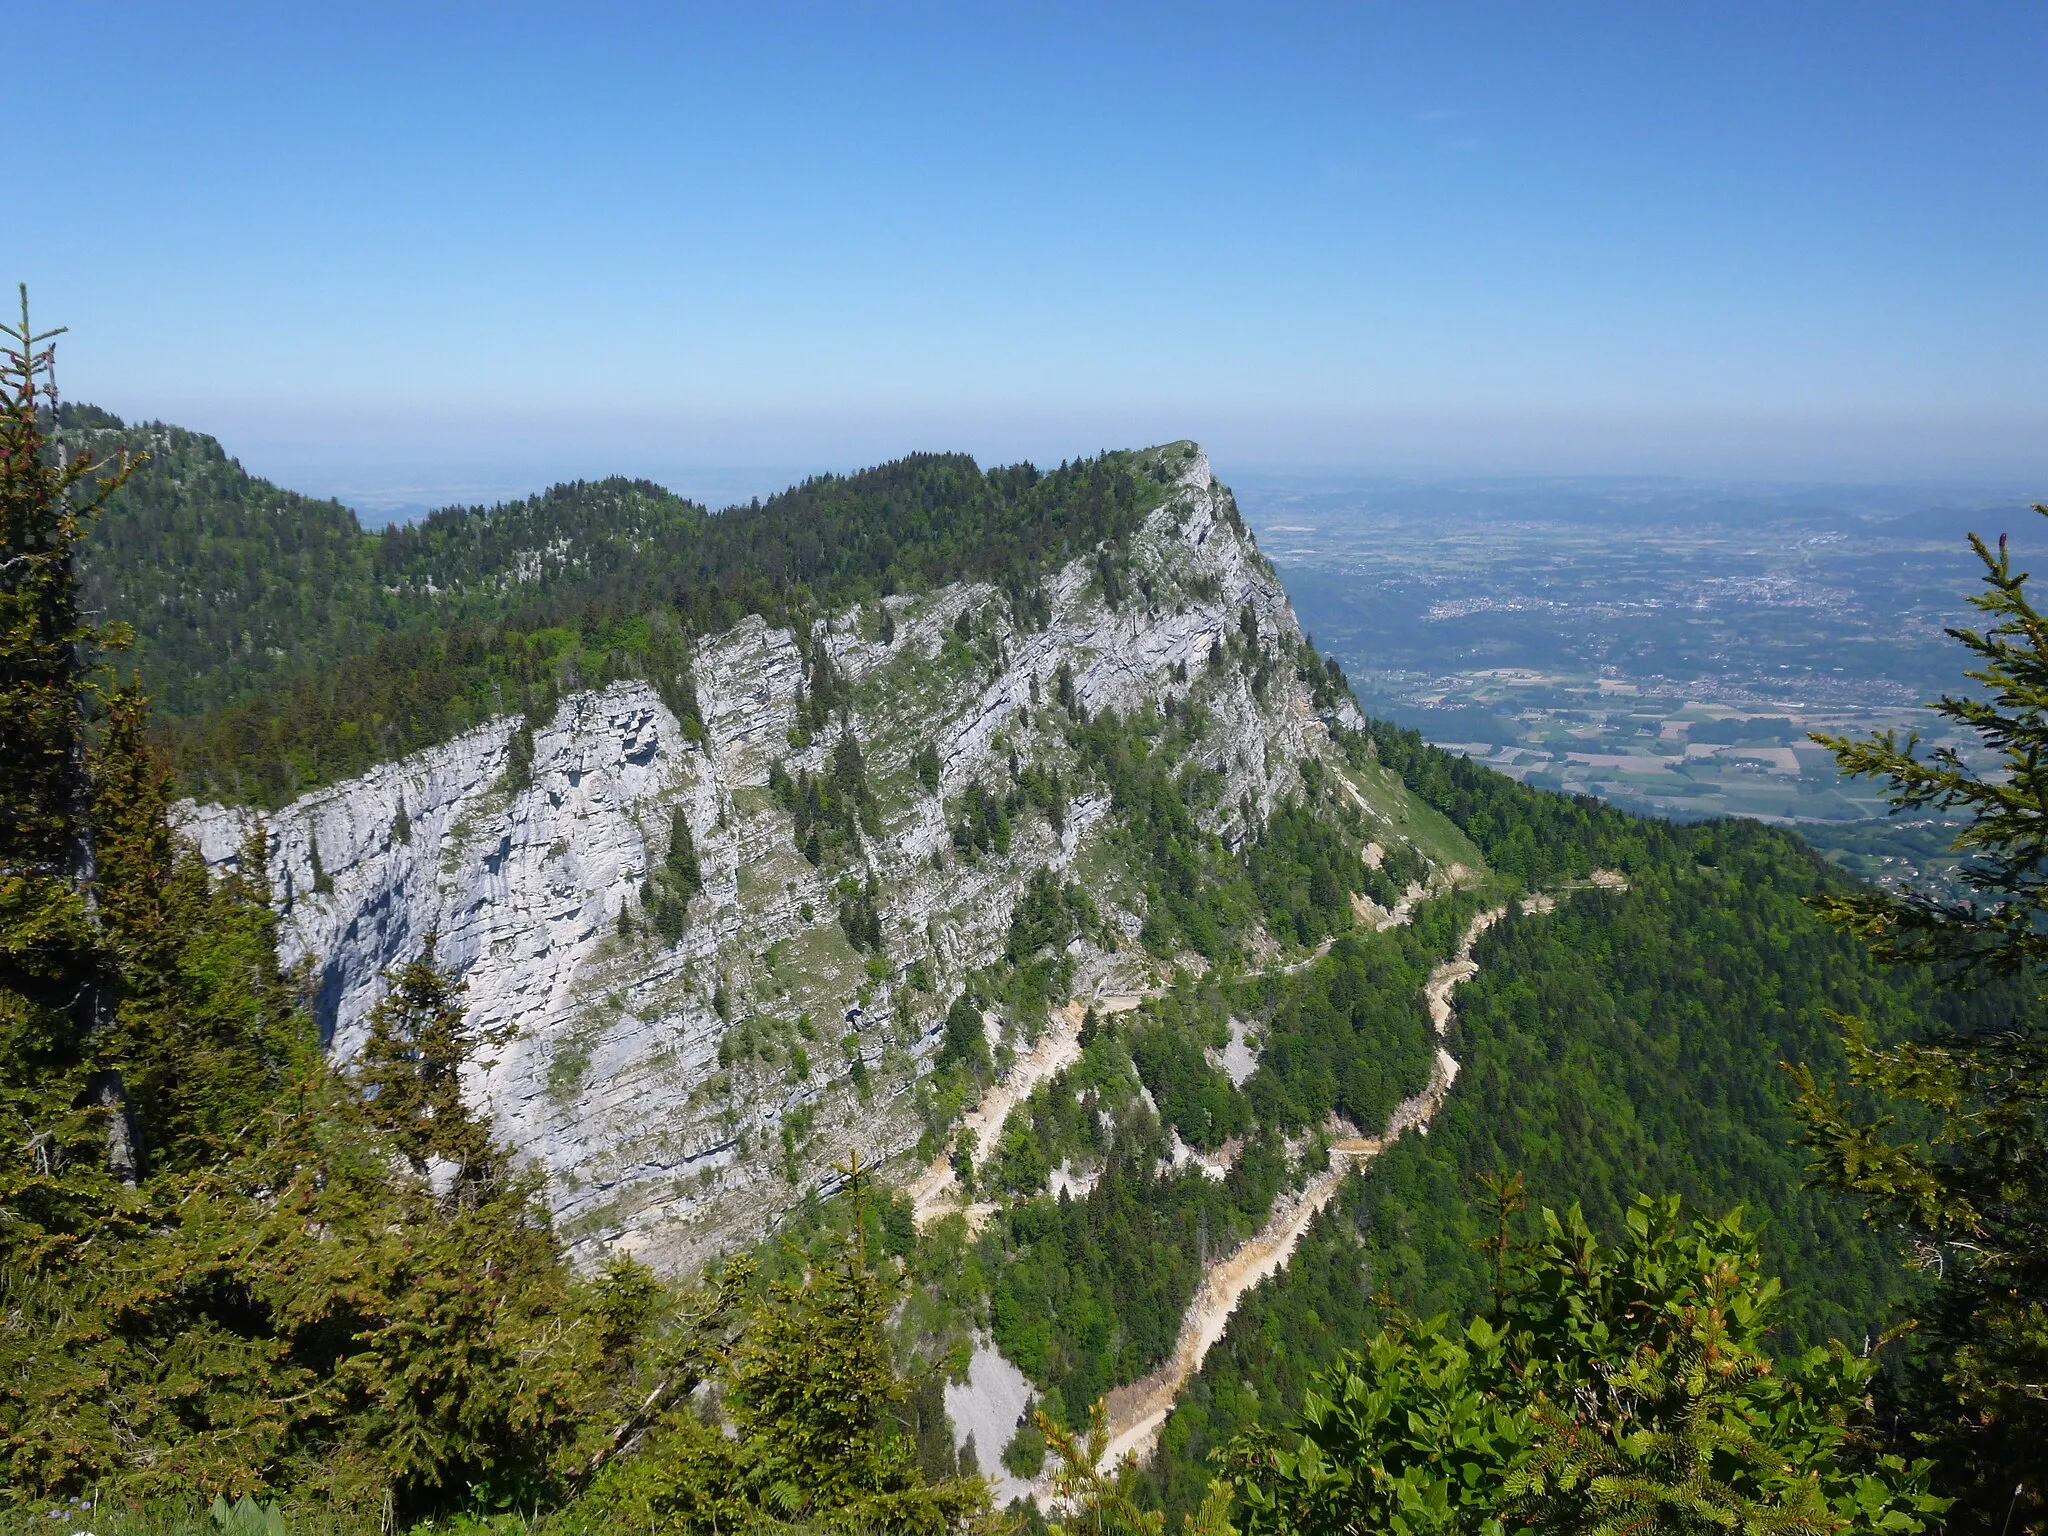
column 1137, row 1411
column 936, row 1191
column 1461, row 967
column 1296, row 967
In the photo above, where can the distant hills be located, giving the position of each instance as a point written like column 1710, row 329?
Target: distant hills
column 1951, row 526
column 286, row 646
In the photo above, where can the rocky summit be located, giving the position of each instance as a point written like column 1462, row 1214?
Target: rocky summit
column 680, row 1096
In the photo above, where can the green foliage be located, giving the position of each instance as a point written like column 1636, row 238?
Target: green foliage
column 965, row 1043
column 820, row 688
column 1305, row 876
column 830, row 810
column 63, row 1102
column 232, row 1272
column 1535, row 837
column 1323, row 677
column 816, row 1404
column 1198, row 894
column 312, row 650
column 1046, row 789
column 1024, row 1455
column 1094, row 1501
column 983, row 822
column 1607, row 1389
column 1069, row 1116
column 410, row 1072
column 204, row 1029
column 232, row 584
column 293, row 1303
column 860, row 912
column 1970, row 1191
column 1634, row 1040
column 684, row 871
column 1088, row 1294
column 299, row 1316
column 519, row 757
column 1193, row 1097
column 245, row 1517
column 665, row 894
column 1049, row 915
column 1351, row 1036
column 1626, row 1040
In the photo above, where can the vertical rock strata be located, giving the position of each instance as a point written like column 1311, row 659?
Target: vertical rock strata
column 609, row 1074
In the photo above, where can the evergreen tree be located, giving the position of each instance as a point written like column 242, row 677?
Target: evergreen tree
column 683, row 866
column 199, row 1053
column 410, row 1072
column 1971, row 1190
column 817, row 1408
column 965, row 1041
column 1092, row 1501
column 218, row 1281
column 67, row 1121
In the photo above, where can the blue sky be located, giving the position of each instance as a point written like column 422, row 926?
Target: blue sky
column 376, row 247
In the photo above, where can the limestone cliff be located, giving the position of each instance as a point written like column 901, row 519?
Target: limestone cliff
column 611, row 1075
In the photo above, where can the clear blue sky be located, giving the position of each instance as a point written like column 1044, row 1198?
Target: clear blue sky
column 395, row 242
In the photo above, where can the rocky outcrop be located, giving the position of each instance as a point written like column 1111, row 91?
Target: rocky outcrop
column 678, row 1096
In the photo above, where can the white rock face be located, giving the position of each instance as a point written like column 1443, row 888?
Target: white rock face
column 609, row 1076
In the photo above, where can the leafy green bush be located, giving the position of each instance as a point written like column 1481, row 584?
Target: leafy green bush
column 1606, row 1389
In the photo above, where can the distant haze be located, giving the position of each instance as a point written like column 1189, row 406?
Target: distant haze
column 418, row 253
column 396, row 469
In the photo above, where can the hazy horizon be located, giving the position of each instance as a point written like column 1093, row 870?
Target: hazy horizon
column 397, row 252
column 397, row 472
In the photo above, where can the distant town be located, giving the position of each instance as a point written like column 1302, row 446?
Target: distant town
column 1667, row 648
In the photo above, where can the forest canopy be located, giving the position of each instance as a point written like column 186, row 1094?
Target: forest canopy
column 290, row 648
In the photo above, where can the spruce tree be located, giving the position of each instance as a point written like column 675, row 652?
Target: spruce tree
column 817, row 1407
column 1969, row 1191
column 410, row 1071
column 204, row 1026
column 683, row 866
column 64, row 1108
column 258, row 1293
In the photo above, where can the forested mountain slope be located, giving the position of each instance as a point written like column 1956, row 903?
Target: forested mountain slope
column 230, row 584
column 301, row 649
column 722, row 921
column 814, row 824
column 1626, row 1040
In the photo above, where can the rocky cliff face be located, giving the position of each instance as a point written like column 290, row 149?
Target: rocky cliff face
column 617, row 1072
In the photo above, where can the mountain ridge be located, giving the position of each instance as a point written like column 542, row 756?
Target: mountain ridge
column 532, row 888
column 733, row 897
column 291, row 648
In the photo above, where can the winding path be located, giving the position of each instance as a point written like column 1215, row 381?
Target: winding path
column 1138, row 1410
column 935, row 1192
